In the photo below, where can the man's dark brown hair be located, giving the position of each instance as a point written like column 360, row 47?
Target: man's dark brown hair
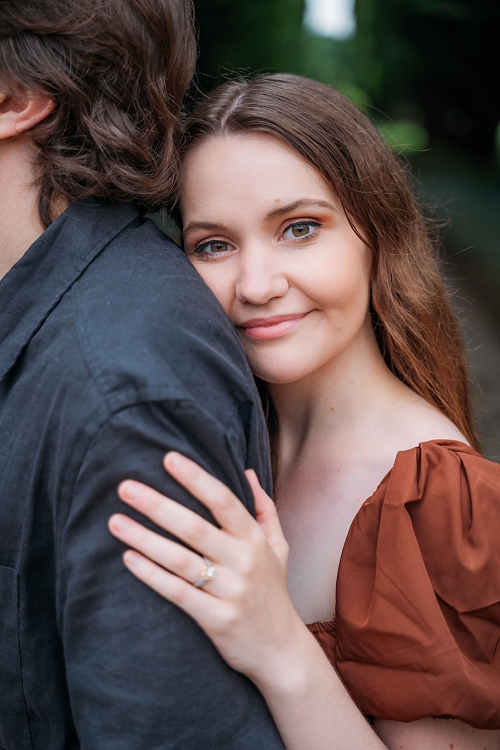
column 118, row 71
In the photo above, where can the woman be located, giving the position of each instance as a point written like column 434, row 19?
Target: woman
column 302, row 223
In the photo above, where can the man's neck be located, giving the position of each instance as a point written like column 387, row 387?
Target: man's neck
column 20, row 224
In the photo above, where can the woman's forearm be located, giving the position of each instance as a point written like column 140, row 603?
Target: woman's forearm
column 313, row 710
column 309, row 703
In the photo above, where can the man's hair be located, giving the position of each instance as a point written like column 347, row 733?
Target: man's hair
column 118, row 71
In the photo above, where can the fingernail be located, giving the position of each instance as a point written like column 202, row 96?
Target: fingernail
column 131, row 490
column 131, row 558
column 176, row 460
column 120, row 523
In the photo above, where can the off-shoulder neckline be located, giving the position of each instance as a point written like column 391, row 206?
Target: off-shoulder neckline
column 329, row 626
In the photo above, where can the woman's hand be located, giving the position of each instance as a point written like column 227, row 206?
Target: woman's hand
column 245, row 609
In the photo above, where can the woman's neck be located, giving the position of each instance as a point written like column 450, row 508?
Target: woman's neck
column 336, row 403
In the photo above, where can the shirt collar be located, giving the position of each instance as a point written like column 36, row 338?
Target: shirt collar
column 36, row 283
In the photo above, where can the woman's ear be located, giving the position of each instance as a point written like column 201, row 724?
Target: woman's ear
column 20, row 112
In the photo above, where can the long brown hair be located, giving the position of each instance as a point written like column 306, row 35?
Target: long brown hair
column 417, row 331
column 118, row 71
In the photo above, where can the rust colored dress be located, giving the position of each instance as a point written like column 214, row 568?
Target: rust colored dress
column 417, row 622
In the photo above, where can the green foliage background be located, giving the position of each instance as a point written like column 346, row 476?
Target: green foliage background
column 435, row 63
column 254, row 35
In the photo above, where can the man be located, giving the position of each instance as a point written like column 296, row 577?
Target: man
column 112, row 351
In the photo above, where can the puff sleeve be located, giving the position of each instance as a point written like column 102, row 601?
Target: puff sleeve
column 418, row 590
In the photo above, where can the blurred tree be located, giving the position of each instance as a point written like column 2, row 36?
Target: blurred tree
column 439, row 57
column 433, row 61
column 251, row 36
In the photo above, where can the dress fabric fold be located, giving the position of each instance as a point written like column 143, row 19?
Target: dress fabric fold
column 417, row 622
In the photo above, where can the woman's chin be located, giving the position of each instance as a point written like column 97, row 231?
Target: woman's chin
column 279, row 374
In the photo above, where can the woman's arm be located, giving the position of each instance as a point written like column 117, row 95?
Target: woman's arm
column 435, row 734
column 245, row 609
column 248, row 614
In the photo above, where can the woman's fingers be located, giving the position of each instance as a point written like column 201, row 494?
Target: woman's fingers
column 175, row 518
column 176, row 558
column 208, row 611
column 225, row 507
column 245, row 609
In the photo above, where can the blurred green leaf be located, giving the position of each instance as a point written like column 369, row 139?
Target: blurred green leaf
column 404, row 136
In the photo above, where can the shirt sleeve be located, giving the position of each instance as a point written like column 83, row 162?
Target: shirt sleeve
column 418, row 590
column 141, row 674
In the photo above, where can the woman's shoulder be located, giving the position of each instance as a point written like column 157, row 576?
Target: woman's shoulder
column 413, row 421
column 418, row 590
column 401, row 427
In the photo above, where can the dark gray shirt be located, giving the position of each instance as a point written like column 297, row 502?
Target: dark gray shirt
column 112, row 351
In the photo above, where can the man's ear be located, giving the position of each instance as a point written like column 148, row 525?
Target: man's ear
column 21, row 112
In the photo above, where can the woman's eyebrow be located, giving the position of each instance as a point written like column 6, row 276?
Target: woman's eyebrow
column 302, row 203
column 205, row 225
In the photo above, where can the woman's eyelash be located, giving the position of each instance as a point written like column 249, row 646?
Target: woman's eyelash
column 315, row 225
column 203, row 247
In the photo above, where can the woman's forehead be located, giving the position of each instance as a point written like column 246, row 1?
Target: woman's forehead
column 250, row 162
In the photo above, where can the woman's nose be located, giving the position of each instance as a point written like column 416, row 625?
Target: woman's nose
column 261, row 279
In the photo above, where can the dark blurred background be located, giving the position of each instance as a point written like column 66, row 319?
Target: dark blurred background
column 428, row 73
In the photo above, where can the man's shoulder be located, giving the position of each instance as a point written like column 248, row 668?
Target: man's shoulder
column 148, row 322
column 139, row 260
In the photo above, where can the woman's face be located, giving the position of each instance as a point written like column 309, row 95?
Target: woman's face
column 268, row 236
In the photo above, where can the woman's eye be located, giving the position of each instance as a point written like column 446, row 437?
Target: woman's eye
column 301, row 230
column 212, row 248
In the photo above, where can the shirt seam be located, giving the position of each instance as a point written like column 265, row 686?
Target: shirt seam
column 77, row 269
column 155, row 392
column 112, row 414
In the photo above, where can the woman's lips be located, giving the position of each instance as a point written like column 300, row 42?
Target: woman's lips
column 263, row 329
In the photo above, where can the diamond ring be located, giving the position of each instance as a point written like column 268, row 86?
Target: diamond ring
column 207, row 574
